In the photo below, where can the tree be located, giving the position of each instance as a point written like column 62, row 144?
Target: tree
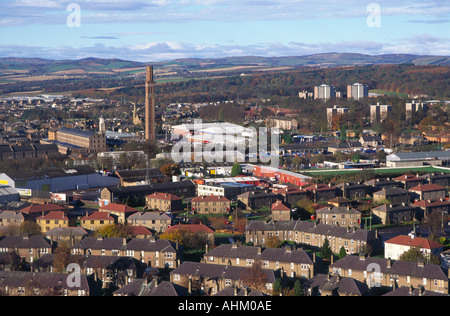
column 298, row 289
column 255, row 277
column 62, row 258
column 342, row 253
column 30, row 229
column 277, row 287
column 273, row 242
column 170, row 169
column 416, row 255
column 236, row 170
column 326, row 251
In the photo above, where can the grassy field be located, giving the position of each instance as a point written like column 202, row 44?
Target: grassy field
column 399, row 171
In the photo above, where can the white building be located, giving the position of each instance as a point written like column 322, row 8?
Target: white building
column 397, row 246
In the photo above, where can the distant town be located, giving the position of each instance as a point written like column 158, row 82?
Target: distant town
column 349, row 196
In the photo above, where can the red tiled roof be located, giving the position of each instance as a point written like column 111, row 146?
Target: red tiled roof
column 424, row 203
column 319, row 187
column 414, row 242
column 138, row 230
column 210, row 199
column 195, row 228
column 279, row 206
column 427, row 188
column 164, row 196
column 118, row 208
column 54, row 215
column 98, row 216
column 39, row 208
column 408, row 177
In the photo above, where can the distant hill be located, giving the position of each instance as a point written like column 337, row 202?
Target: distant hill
column 37, row 66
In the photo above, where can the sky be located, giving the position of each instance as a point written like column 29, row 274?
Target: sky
column 161, row 30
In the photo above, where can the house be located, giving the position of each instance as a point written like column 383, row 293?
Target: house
column 36, row 210
column 256, row 200
column 120, row 212
column 71, row 235
column 13, row 218
column 383, row 183
column 96, row 220
column 100, row 246
column 371, row 141
column 432, row 206
column 52, row 220
column 280, row 212
column 428, row 192
column 291, row 262
column 393, row 195
column 156, row 253
column 151, row 287
column 395, row 247
column 290, row 194
column 321, row 192
column 19, row 283
column 112, row 271
column 339, row 216
column 164, row 202
column 28, row 248
column 386, row 273
column 206, row 278
column 328, row 285
column 211, row 205
column 353, row 191
column 156, row 221
column 389, row 214
column 410, row 181
column 312, row 234
column 442, row 179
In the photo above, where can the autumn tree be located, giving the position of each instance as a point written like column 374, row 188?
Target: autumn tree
column 62, row 258
column 255, row 277
column 273, row 242
column 170, row 169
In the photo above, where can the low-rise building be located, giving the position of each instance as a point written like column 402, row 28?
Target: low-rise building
column 120, row 212
column 156, row 221
column 386, row 273
column 292, row 262
column 256, row 200
column 339, row 216
column 389, row 214
column 395, row 247
column 428, row 192
column 212, row 278
column 96, row 220
column 393, row 195
column 164, row 202
column 211, row 205
column 280, row 212
column 28, row 248
column 52, row 220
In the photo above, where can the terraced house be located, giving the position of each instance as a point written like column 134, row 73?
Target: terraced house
column 291, row 262
column 386, row 273
column 352, row 239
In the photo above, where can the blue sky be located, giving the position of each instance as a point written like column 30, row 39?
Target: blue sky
column 156, row 30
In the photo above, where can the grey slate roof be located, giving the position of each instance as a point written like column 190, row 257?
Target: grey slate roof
column 337, row 285
column 213, row 271
column 24, row 242
column 248, row 252
column 429, row 155
column 429, row 271
column 310, row 227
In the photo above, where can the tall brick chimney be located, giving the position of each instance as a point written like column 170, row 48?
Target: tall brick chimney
column 150, row 124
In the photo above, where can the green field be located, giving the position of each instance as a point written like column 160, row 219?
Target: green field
column 393, row 171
